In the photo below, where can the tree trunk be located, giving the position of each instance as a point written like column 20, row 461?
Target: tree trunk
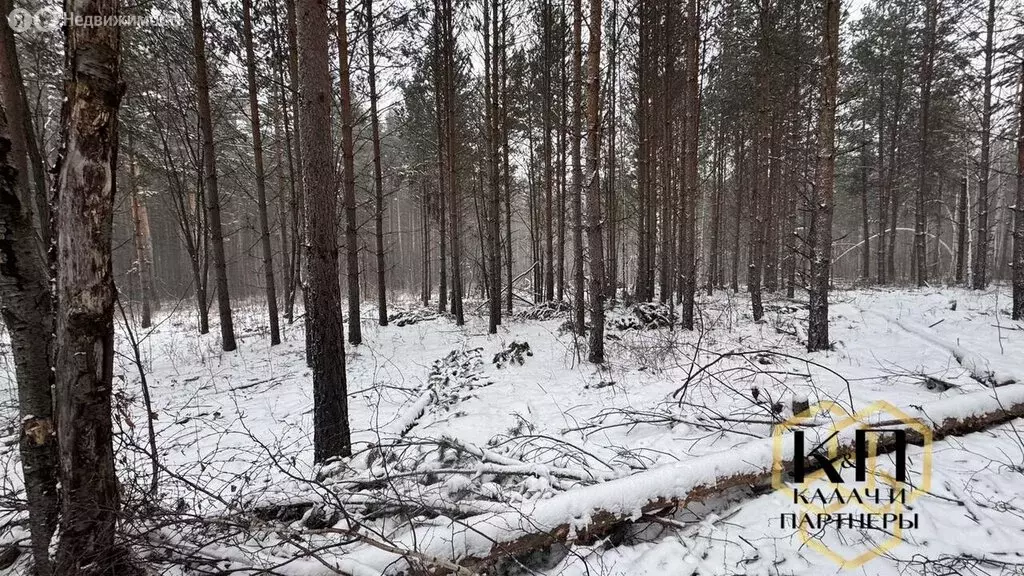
column 865, row 249
column 611, row 199
column 962, row 225
column 645, row 226
column 821, row 224
column 579, row 321
column 536, row 254
column 261, row 185
column 756, row 234
column 441, row 119
column 26, row 157
column 26, row 307
column 691, row 126
column 378, row 177
column 714, row 256
column 594, row 217
column 505, row 154
column 324, row 323
column 454, row 201
column 771, row 205
column 674, row 217
column 549, row 174
column 650, row 493
column 282, row 217
column 298, row 198
column 142, row 242
column 980, row 280
column 227, row 328
column 425, row 239
column 560, row 194
column 355, row 333
column 492, row 250
column 741, row 193
column 1018, row 212
column 85, row 295
column 883, row 189
column 923, row 192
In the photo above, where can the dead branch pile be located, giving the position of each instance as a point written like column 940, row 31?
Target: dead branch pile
column 545, row 311
column 412, row 316
column 480, row 542
column 645, row 316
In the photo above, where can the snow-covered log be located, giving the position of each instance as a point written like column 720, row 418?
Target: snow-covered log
column 479, row 542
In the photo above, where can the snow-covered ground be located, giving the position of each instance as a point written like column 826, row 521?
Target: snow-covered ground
column 444, row 428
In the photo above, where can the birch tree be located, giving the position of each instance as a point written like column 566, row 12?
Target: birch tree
column 90, row 496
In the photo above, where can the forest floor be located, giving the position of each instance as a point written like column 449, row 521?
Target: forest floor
column 445, row 426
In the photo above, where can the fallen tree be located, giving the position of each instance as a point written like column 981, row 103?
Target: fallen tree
column 480, row 542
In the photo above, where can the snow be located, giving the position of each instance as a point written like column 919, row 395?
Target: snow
column 532, row 446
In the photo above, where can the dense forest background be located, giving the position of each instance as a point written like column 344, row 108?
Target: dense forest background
column 926, row 130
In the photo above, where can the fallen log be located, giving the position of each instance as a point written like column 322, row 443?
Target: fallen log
column 478, row 543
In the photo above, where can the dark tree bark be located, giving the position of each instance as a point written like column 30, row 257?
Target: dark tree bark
column 646, row 222
column 883, row 189
column 378, row 177
column 594, row 217
column 141, row 239
column 579, row 321
column 890, row 202
column 691, row 125
column 282, row 215
column 740, row 194
column 821, row 223
column 298, row 197
column 23, row 131
column 289, row 197
column 261, row 185
column 440, row 96
column 85, row 296
column 26, row 307
column 962, row 226
column 714, row 254
column 611, row 198
column 1018, row 212
column 536, row 253
column 425, row 240
column 355, row 333
column 770, row 269
column 865, row 250
column 454, row 200
column 980, row 280
column 331, row 437
column 549, row 173
column 561, row 214
column 756, row 233
column 492, row 197
column 220, row 270
column 674, row 217
column 923, row 184
column 505, row 130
